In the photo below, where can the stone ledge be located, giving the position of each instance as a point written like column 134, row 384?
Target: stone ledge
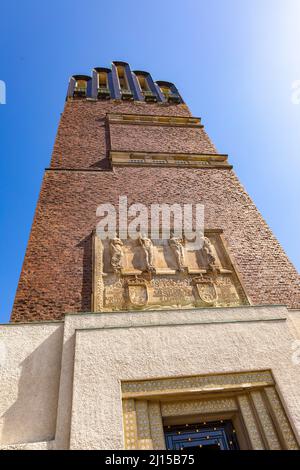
column 135, row 319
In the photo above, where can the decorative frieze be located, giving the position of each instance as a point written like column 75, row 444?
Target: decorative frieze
column 266, row 421
column 130, row 424
column 163, row 274
column 250, row 423
column 156, row 425
column 143, row 425
column 189, row 407
column 199, row 383
column 185, row 160
column 152, row 120
column 281, row 419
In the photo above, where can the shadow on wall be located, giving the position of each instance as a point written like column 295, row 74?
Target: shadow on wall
column 104, row 163
column 87, row 274
column 32, row 417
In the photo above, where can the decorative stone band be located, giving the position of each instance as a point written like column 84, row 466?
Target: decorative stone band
column 151, row 120
column 198, row 384
column 249, row 399
column 192, row 407
column 181, row 160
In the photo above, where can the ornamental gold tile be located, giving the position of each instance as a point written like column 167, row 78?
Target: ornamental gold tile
column 249, row 397
column 250, row 423
column 187, row 407
column 282, row 421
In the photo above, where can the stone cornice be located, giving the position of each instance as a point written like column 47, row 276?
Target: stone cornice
column 162, row 159
column 152, row 120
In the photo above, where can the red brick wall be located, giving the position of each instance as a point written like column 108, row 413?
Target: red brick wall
column 83, row 137
column 57, row 271
column 160, row 139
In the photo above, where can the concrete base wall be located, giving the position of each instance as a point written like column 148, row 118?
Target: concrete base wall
column 60, row 381
column 30, row 362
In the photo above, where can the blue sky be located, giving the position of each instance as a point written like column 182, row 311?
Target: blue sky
column 233, row 61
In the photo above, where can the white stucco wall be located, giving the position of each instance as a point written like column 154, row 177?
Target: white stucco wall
column 294, row 320
column 61, row 382
column 104, row 357
column 29, row 381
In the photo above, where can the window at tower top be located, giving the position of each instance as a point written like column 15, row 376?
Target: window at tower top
column 126, row 93
column 122, row 78
column 143, row 83
column 103, row 86
column 102, row 80
column 80, row 87
column 81, row 84
column 166, row 90
column 169, row 91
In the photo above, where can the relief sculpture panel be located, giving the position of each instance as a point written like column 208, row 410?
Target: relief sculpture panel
column 145, row 274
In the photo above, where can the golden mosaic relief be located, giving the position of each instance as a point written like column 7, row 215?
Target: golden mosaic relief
column 281, row 419
column 199, row 383
column 146, row 274
column 249, row 397
column 192, row 407
column 269, row 429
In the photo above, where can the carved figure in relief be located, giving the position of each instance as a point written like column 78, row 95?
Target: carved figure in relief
column 207, row 251
column 177, row 248
column 116, row 253
column 147, row 247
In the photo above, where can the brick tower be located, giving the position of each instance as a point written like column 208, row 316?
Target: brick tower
column 197, row 339
column 121, row 133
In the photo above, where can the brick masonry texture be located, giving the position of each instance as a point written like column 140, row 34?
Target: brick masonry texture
column 83, row 136
column 167, row 139
column 57, row 272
